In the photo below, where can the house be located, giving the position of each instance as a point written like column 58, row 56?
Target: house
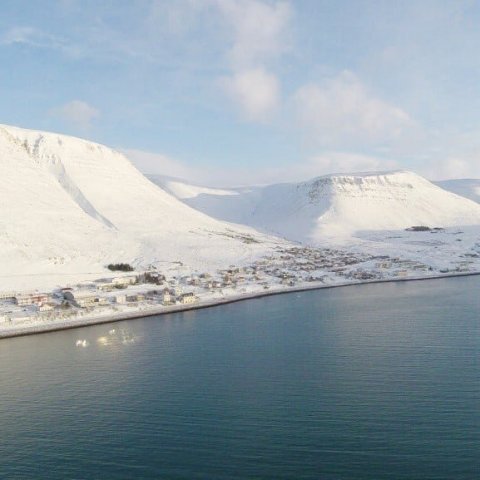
column 7, row 296
column 421, row 267
column 19, row 317
column 120, row 282
column 106, row 286
column 46, row 307
column 194, row 281
column 383, row 264
column 167, row 298
column 30, row 299
column 152, row 295
column 187, row 298
column 82, row 298
column 177, row 290
column 135, row 297
column 155, row 278
column 120, row 298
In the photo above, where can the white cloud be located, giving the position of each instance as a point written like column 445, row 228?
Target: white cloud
column 259, row 34
column 32, row 37
column 330, row 162
column 38, row 39
column 78, row 114
column 256, row 93
column 454, row 167
column 342, row 112
column 322, row 164
column 259, row 30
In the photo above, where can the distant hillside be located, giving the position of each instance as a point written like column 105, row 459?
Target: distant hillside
column 72, row 206
column 332, row 206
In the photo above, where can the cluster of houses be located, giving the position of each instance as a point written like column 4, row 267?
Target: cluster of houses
column 127, row 290
column 287, row 267
column 21, row 306
column 398, row 267
column 463, row 266
column 304, row 264
column 130, row 290
column 40, row 301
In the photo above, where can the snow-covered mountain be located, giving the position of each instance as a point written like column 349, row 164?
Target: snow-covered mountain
column 69, row 206
column 333, row 205
column 468, row 187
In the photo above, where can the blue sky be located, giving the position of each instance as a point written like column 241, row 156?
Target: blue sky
column 241, row 91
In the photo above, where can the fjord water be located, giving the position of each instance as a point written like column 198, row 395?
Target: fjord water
column 367, row 382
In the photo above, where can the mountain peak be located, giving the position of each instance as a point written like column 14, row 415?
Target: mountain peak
column 69, row 205
column 338, row 205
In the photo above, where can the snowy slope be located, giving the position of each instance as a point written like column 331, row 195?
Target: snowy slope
column 333, row 206
column 230, row 204
column 468, row 187
column 68, row 206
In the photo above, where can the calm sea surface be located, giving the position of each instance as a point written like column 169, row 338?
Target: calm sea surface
column 370, row 382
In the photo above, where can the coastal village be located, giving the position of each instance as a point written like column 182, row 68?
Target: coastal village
column 154, row 291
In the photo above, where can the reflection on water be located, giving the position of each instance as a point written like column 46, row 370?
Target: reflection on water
column 114, row 337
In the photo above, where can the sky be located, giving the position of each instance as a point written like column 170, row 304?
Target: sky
column 232, row 92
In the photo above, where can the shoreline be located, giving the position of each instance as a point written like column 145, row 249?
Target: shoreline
column 162, row 310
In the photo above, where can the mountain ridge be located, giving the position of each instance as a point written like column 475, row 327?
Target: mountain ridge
column 333, row 205
column 69, row 206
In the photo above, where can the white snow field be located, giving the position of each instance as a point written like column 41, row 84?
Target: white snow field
column 468, row 187
column 68, row 207
column 332, row 207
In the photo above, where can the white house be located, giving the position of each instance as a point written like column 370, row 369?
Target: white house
column 122, row 298
column 124, row 281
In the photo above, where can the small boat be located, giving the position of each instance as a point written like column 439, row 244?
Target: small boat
column 81, row 343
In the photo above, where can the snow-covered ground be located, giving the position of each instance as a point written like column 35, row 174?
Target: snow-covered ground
column 332, row 207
